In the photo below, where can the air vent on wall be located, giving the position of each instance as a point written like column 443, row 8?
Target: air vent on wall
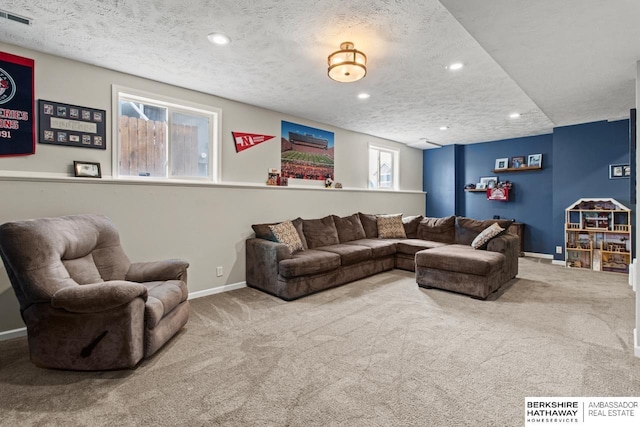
column 15, row 18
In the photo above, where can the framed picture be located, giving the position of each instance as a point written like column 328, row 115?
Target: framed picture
column 481, row 186
column 87, row 169
column 488, row 181
column 502, row 163
column 534, row 160
column 71, row 125
column 619, row 171
column 518, row 162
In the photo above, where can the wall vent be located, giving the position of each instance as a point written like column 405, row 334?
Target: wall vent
column 15, row 18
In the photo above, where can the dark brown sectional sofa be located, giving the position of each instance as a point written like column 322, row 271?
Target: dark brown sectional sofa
column 339, row 250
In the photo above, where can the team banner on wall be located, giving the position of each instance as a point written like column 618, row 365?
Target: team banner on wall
column 248, row 140
column 17, row 126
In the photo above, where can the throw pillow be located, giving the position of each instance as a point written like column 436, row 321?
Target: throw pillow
column 320, row 232
column 390, row 227
column 286, row 233
column 468, row 229
column 370, row 225
column 487, row 234
column 438, row 229
column 349, row 228
column 411, row 225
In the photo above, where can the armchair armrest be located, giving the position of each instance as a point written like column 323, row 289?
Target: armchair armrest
column 98, row 297
column 262, row 262
column 507, row 243
column 172, row 269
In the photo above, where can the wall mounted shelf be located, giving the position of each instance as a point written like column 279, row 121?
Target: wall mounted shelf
column 521, row 169
column 475, row 190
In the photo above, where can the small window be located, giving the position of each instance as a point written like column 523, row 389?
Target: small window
column 383, row 168
column 165, row 139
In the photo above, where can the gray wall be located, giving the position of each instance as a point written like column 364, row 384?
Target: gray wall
column 204, row 224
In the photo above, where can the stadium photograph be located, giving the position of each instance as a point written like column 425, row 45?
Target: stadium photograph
column 307, row 153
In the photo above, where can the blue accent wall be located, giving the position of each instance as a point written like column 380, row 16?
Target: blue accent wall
column 575, row 164
column 438, row 179
column 582, row 156
column 530, row 202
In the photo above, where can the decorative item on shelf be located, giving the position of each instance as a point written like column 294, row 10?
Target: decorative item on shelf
column 284, row 181
column 470, row 187
column 273, row 177
column 518, row 162
column 489, row 181
column 534, row 160
column 502, row 163
column 500, row 191
column 347, row 64
column 87, row 169
column 328, row 183
column 338, row 185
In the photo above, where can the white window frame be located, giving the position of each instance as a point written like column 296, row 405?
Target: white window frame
column 174, row 105
column 395, row 183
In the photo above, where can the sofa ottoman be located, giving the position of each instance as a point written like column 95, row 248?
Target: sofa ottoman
column 462, row 269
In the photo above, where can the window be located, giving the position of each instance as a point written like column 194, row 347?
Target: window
column 383, row 168
column 162, row 138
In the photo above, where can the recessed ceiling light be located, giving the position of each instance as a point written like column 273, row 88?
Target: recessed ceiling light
column 455, row 66
column 444, row 127
column 364, row 96
column 514, row 115
column 219, row 39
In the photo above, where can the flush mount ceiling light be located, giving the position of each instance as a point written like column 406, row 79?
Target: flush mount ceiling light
column 364, row 95
column 444, row 127
column 347, row 64
column 219, row 39
column 455, row 66
column 514, row 115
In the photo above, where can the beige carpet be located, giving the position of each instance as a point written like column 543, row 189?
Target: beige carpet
column 378, row 352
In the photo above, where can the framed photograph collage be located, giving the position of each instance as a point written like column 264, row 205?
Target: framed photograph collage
column 71, row 125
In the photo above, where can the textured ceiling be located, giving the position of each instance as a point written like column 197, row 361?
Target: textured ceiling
column 277, row 58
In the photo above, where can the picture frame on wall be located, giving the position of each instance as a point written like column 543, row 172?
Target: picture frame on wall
column 71, row 125
column 534, row 160
column 87, row 169
column 502, row 163
column 488, row 181
column 518, row 162
column 618, row 171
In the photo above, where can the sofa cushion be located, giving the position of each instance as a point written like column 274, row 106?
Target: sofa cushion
column 379, row 248
column 349, row 228
column 468, row 229
column 411, row 246
column 320, row 232
column 263, row 231
column 390, row 227
column 370, row 225
column 482, row 239
column 410, row 224
column 349, row 254
column 308, row 262
column 438, row 229
column 460, row 259
column 286, row 233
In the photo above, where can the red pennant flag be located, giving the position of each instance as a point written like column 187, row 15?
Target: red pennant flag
column 248, row 140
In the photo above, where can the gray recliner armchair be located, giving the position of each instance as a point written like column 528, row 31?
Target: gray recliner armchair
column 85, row 305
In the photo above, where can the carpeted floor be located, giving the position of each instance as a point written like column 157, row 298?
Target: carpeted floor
column 378, row 352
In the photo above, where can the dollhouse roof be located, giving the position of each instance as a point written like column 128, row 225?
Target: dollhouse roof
column 602, row 203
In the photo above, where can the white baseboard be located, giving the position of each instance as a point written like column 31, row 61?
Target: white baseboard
column 22, row 332
column 217, row 290
column 636, row 345
column 537, row 255
column 558, row 262
column 14, row 333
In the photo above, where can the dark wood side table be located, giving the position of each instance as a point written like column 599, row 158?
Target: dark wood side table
column 517, row 228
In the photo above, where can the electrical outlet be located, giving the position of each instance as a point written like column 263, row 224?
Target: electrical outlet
column 558, row 249
column 219, row 271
